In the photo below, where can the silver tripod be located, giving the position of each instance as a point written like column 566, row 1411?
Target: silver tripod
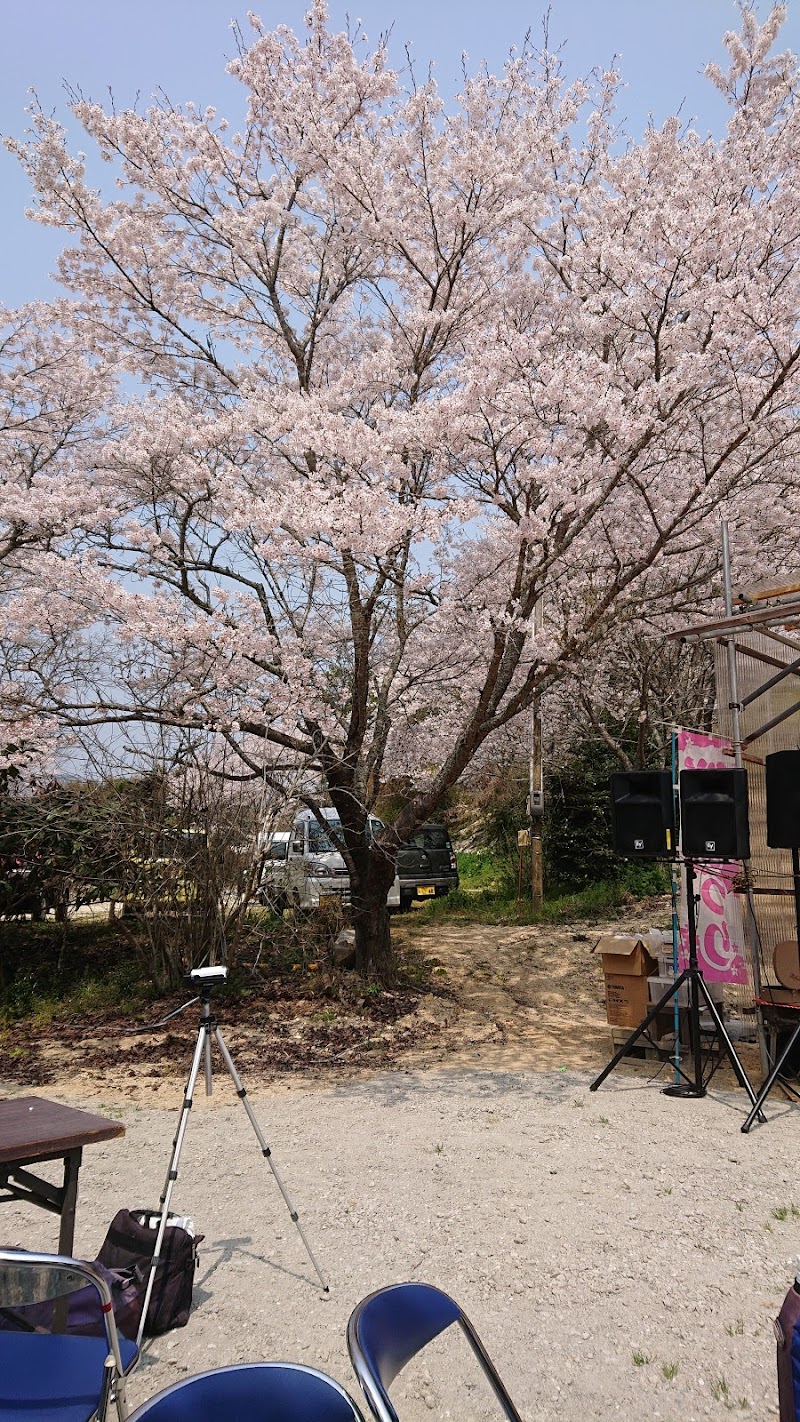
column 205, row 979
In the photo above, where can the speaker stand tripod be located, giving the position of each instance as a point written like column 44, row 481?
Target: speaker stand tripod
column 207, row 1029
column 769, row 1081
column 697, row 1083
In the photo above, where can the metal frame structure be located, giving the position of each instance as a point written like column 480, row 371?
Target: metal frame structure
column 25, row 1277
column 252, row 1390
column 698, row 993
column 773, row 611
column 389, row 1327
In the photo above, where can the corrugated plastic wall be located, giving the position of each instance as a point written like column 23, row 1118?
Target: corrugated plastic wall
column 771, row 868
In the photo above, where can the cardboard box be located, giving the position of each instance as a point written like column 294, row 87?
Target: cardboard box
column 627, row 964
column 626, row 1000
column 629, row 957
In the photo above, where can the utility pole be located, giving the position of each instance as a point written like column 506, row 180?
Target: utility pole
column 536, row 780
column 536, row 806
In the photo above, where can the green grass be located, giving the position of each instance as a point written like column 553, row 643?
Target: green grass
column 51, row 972
column 489, row 888
column 92, row 969
column 40, row 977
column 481, row 870
column 488, row 894
column 122, row 989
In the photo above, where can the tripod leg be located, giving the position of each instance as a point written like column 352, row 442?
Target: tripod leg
column 770, row 1081
column 739, row 1070
column 642, row 1028
column 207, row 1059
column 267, row 1153
column 172, row 1175
column 694, row 1028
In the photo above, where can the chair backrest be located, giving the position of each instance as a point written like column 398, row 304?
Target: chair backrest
column 60, row 1355
column 271, row 1392
column 388, row 1328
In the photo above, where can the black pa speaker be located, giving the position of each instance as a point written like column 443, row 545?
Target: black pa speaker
column 714, row 814
column 643, row 814
column 783, row 799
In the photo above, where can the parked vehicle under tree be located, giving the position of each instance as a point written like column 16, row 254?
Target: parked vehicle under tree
column 426, row 866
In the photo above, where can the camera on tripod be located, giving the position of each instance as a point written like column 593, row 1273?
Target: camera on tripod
column 203, row 980
column 205, row 977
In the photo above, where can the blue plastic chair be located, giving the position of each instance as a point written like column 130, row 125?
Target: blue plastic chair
column 252, row 1392
column 47, row 1373
column 388, row 1328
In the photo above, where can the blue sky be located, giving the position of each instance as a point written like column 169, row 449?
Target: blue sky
column 134, row 46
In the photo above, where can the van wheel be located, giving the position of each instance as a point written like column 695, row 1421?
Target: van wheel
column 406, row 901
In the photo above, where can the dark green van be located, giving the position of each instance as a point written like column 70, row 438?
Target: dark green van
column 426, row 866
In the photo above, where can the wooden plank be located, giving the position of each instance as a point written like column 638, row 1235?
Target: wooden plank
column 763, row 591
column 31, row 1126
column 639, row 1050
column 740, row 622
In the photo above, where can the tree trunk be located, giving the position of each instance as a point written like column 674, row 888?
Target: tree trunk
column 370, row 879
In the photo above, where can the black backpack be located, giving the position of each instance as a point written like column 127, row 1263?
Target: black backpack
column 83, row 1308
column 129, row 1246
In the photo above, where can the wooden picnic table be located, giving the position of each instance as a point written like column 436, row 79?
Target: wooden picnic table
column 32, row 1130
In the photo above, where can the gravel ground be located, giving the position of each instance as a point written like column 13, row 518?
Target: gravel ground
column 621, row 1254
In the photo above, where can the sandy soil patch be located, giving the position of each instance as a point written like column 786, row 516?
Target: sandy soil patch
column 504, row 997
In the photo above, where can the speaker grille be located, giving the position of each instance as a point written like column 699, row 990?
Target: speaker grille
column 714, row 822
column 783, row 799
column 643, row 814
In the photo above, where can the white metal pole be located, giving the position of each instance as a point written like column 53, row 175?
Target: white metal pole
column 736, row 738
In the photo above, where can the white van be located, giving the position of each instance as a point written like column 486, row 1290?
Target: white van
column 273, row 850
column 314, row 869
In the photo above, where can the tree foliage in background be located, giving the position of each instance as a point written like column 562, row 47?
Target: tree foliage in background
column 387, row 375
column 578, row 847
column 630, row 694
column 576, row 828
column 173, row 850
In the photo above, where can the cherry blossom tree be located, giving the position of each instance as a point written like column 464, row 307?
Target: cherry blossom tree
column 51, row 424
column 389, row 373
column 630, row 695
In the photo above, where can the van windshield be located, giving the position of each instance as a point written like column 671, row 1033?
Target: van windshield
column 320, row 842
column 431, row 837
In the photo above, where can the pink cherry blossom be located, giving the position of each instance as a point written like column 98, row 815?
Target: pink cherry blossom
column 357, row 386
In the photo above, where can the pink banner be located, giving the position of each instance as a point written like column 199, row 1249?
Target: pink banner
column 720, row 926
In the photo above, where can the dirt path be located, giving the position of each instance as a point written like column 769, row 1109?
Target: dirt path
column 506, row 998
column 524, row 997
